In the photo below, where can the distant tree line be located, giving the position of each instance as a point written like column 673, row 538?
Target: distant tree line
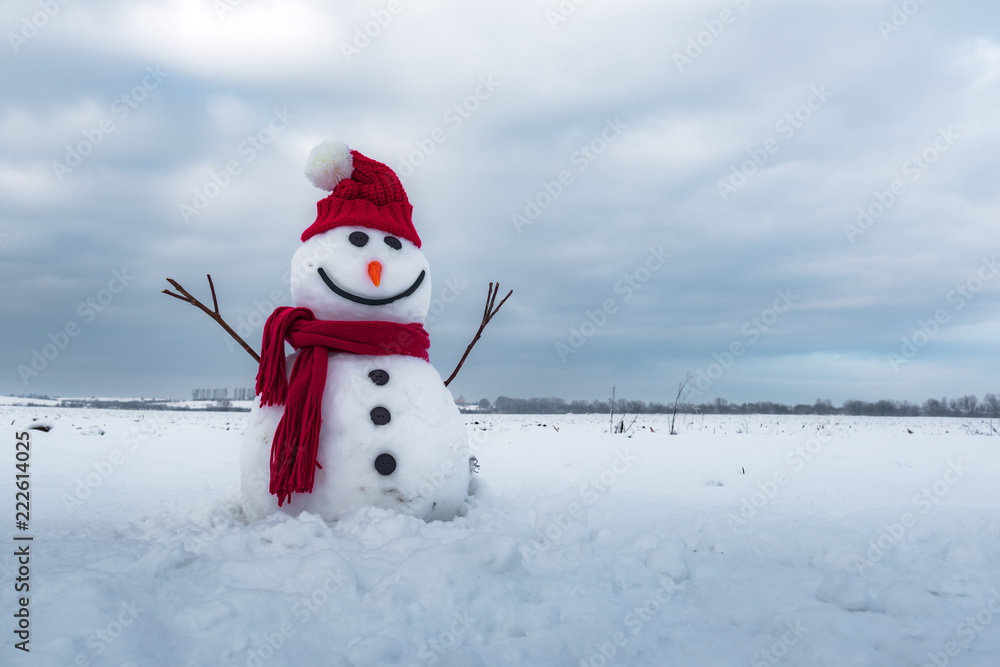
column 239, row 394
column 129, row 404
column 966, row 406
column 143, row 404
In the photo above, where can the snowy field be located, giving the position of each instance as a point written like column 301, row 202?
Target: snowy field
column 814, row 541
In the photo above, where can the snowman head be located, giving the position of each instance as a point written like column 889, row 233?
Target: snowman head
column 361, row 258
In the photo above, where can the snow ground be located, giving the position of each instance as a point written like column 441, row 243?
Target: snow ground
column 741, row 541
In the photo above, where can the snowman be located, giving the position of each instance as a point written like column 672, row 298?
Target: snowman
column 356, row 416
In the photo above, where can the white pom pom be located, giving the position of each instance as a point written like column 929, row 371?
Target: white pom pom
column 328, row 164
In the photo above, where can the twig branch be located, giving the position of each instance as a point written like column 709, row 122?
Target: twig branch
column 488, row 313
column 214, row 313
column 626, row 429
column 682, row 393
column 611, row 403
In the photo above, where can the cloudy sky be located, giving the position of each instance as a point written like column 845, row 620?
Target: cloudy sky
column 789, row 200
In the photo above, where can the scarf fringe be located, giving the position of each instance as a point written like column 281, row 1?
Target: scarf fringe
column 272, row 384
column 296, row 441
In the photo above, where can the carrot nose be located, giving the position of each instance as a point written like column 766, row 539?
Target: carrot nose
column 375, row 272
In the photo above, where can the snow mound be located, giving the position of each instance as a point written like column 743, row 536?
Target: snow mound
column 577, row 547
column 845, row 591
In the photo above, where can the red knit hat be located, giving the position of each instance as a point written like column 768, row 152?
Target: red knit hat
column 364, row 193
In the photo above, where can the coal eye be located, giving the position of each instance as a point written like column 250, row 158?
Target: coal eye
column 393, row 242
column 358, row 238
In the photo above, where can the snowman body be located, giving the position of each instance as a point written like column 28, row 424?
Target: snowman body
column 391, row 435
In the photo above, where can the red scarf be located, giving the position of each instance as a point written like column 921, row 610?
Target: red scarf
column 295, row 443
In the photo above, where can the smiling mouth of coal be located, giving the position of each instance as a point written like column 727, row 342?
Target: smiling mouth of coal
column 340, row 291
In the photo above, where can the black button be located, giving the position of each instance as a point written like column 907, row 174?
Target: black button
column 385, row 464
column 380, row 416
column 358, row 238
column 379, row 376
column 393, row 242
